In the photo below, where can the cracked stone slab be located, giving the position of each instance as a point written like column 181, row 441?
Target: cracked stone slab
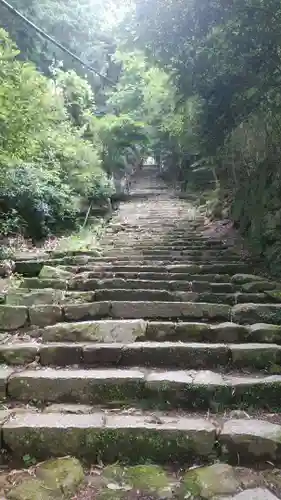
column 76, row 386
column 44, row 315
column 264, row 332
column 96, row 331
column 253, row 494
column 18, row 354
column 111, row 438
column 169, row 310
column 87, row 311
column 259, row 356
column 5, row 373
column 61, row 354
column 256, row 313
column 252, row 439
column 12, row 317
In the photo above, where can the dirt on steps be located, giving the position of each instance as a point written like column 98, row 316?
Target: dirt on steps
column 140, row 352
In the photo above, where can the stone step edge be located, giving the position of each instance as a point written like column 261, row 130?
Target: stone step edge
column 112, row 437
column 144, row 354
column 52, row 296
column 16, row 317
column 196, row 389
column 174, row 268
column 98, row 282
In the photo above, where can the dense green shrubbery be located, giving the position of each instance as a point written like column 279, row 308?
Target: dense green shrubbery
column 224, row 58
column 45, row 164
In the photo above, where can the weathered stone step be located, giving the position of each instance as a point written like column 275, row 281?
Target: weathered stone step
column 160, row 243
column 201, row 389
column 111, row 437
column 156, row 309
column 162, row 247
column 93, row 281
column 46, row 296
column 160, row 259
column 178, row 296
column 150, row 275
column 255, row 313
column 177, row 268
column 128, row 331
column 148, row 265
column 129, row 310
column 33, row 267
column 180, row 286
column 145, row 354
column 117, row 436
column 188, row 245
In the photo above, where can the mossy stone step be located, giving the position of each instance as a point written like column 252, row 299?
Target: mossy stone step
column 34, row 267
column 174, row 268
column 146, row 354
column 257, row 313
column 180, row 286
column 137, row 258
column 135, row 295
column 109, row 438
column 164, row 247
column 121, row 294
column 156, row 309
column 156, row 389
column 121, row 283
column 151, row 275
column 88, row 280
column 159, row 331
column 124, row 331
column 33, row 297
column 37, row 283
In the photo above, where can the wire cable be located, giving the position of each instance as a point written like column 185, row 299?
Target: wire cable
column 52, row 40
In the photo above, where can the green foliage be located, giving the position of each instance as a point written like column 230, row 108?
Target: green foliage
column 146, row 95
column 77, row 24
column 78, row 95
column 46, row 165
column 224, row 58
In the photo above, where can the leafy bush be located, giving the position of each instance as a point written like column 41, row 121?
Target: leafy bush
column 35, row 202
column 45, row 163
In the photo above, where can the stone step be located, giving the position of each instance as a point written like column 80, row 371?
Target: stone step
column 202, row 247
column 157, row 245
column 94, row 280
column 33, row 267
column 128, row 331
column 201, row 389
column 111, row 263
column 180, row 286
column 231, row 268
column 148, row 275
column 121, row 294
column 123, row 310
column 101, row 436
column 118, row 436
column 168, row 310
column 185, row 356
column 160, row 247
column 138, row 259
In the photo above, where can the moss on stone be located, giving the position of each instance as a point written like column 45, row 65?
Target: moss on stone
column 146, row 479
column 12, row 317
column 208, row 482
column 62, row 475
column 49, row 272
column 149, row 478
column 30, row 490
column 18, row 356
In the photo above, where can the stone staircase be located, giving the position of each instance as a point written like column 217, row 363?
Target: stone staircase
column 165, row 348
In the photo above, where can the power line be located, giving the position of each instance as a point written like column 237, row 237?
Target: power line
column 52, row 40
